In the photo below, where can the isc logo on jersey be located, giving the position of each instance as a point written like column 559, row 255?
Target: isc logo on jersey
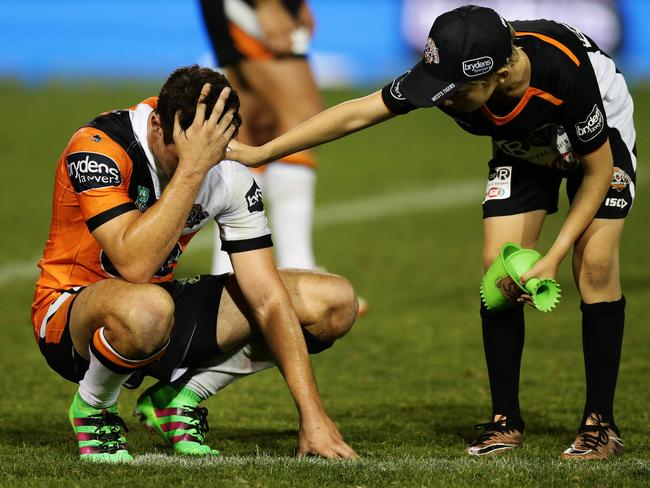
column 90, row 171
column 616, row 202
column 592, row 126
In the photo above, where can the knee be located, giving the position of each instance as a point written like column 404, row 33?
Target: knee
column 596, row 271
column 148, row 319
column 489, row 255
column 342, row 307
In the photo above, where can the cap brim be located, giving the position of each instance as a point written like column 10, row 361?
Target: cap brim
column 423, row 90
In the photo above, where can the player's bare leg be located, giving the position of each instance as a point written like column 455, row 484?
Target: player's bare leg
column 503, row 340
column 119, row 327
column 596, row 271
column 287, row 89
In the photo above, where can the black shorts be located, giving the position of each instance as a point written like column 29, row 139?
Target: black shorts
column 193, row 338
column 229, row 37
column 517, row 186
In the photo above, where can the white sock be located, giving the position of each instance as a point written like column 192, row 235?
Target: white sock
column 290, row 194
column 100, row 386
column 248, row 359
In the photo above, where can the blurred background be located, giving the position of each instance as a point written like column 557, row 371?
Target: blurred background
column 357, row 42
column 398, row 212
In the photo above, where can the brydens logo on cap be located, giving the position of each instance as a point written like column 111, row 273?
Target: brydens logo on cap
column 463, row 44
column 478, row 67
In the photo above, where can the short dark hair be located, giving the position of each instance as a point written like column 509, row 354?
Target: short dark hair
column 181, row 92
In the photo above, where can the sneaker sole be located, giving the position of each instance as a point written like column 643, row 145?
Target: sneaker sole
column 493, row 450
column 590, row 456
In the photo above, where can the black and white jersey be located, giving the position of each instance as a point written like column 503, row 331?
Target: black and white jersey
column 228, row 195
column 106, row 170
column 576, row 95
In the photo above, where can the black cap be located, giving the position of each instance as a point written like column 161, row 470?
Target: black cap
column 464, row 44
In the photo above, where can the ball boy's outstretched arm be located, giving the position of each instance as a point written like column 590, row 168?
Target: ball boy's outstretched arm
column 334, row 123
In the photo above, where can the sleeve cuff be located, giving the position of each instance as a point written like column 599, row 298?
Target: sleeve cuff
column 247, row 244
column 106, row 215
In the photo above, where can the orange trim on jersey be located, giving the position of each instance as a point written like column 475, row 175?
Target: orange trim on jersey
column 151, row 101
column 248, row 45
column 555, row 42
column 106, row 350
column 531, row 92
column 302, row 158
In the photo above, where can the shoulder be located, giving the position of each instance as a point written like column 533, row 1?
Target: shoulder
column 231, row 182
column 92, row 139
column 229, row 174
column 558, row 54
column 559, row 41
column 94, row 160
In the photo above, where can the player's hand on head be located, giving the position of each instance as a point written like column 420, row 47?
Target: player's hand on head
column 277, row 24
column 203, row 144
column 321, row 437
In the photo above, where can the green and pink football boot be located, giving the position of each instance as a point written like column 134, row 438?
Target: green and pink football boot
column 174, row 414
column 99, row 432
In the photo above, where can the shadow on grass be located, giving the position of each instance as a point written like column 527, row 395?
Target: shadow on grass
column 403, row 426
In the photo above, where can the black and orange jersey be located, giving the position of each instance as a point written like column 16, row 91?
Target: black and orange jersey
column 576, row 93
column 108, row 169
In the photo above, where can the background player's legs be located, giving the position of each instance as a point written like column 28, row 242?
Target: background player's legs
column 503, row 331
column 596, row 271
column 290, row 191
column 286, row 88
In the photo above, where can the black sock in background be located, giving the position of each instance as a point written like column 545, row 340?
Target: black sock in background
column 503, row 342
column 602, row 340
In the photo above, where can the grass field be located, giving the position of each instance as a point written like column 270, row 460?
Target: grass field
column 399, row 215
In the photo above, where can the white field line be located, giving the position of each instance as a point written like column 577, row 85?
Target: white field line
column 514, row 466
column 429, row 199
